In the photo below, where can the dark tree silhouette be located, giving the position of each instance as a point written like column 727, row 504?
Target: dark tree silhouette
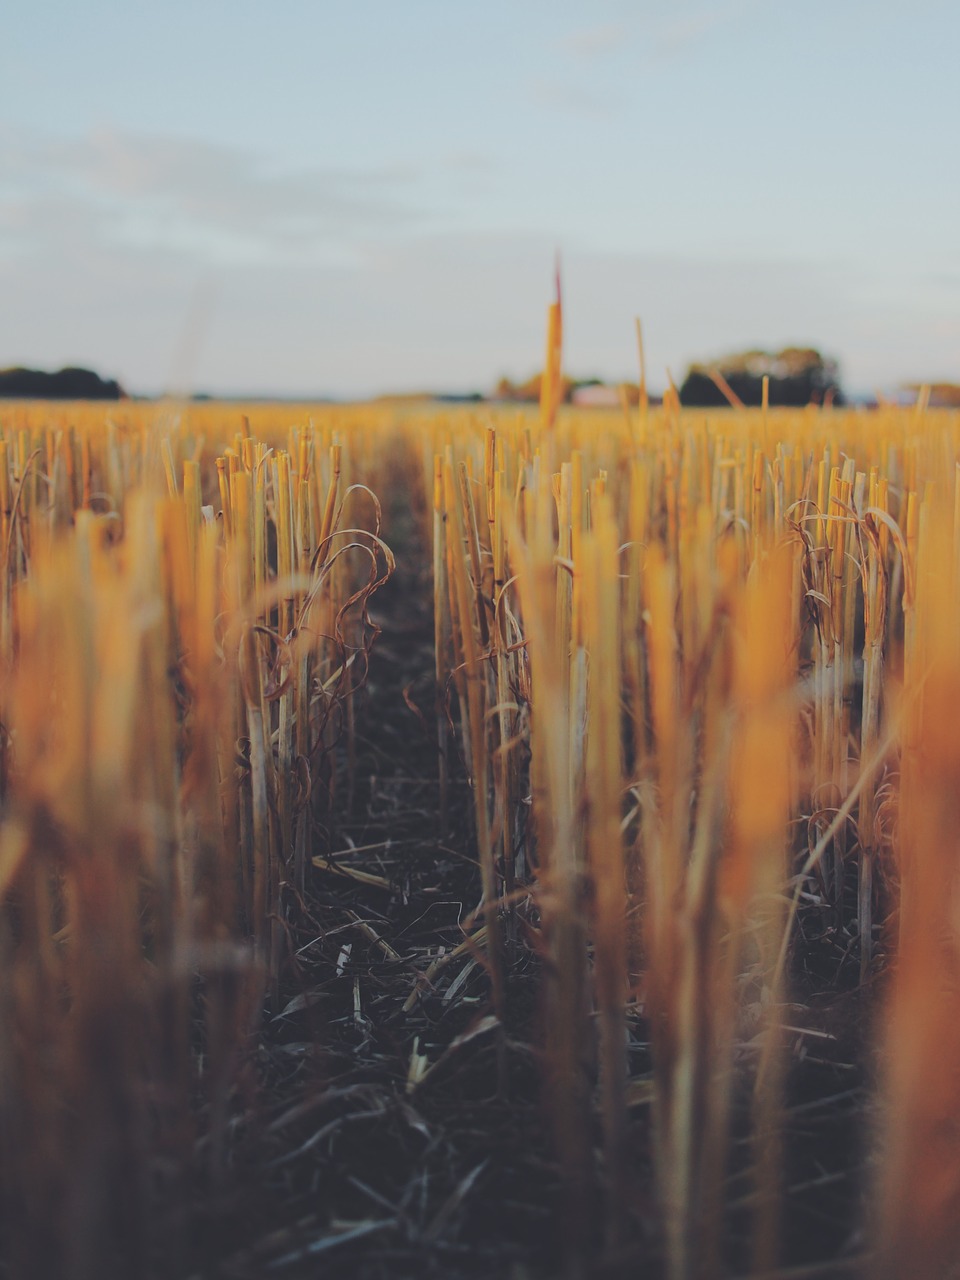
column 65, row 384
column 798, row 376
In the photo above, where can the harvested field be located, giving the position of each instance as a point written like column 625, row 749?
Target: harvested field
column 477, row 842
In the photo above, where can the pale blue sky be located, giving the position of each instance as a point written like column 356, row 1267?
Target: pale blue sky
column 341, row 198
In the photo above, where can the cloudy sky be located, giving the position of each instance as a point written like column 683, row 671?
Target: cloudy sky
column 303, row 197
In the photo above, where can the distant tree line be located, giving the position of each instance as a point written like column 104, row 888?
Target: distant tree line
column 798, row 376
column 65, row 384
column 528, row 392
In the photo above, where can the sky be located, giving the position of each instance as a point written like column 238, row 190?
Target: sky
column 312, row 198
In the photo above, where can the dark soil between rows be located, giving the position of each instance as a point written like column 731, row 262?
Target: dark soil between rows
column 340, row 1165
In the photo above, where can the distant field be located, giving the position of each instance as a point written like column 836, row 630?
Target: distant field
column 378, row 780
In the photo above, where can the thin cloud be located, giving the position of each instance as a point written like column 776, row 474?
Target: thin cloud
column 559, row 95
column 595, row 42
column 215, row 203
column 684, row 32
column 468, row 162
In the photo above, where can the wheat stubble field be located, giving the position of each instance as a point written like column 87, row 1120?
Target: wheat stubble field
column 479, row 842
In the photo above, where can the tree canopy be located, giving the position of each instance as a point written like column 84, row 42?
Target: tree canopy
column 66, row 384
column 798, row 376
